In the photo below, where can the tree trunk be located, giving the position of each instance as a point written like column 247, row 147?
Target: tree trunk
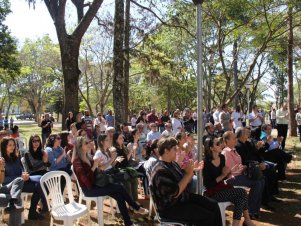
column 293, row 127
column 118, row 80
column 127, row 33
column 235, row 74
column 69, row 55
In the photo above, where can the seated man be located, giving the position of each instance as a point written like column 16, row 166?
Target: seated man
column 248, row 150
column 273, row 152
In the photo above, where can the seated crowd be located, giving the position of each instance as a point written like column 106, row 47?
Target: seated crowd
column 162, row 152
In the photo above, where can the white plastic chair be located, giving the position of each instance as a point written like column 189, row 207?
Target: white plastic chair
column 59, row 211
column 223, row 206
column 98, row 200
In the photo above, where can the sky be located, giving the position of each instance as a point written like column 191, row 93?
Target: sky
column 25, row 22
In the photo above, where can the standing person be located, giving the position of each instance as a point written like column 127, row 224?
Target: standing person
column 163, row 120
column 133, row 121
column 176, row 122
column 273, row 118
column 69, row 120
column 110, row 119
column 88, row 122
column 6, row 123
column 237, row 118
column 152, row 117
column 46, row 125
column 216, row 114
column 224, row 118
column 188, row 122
column 298, row 119
column 1, row 122
column 79, row 122
column 282, row 119
column 255, row 117
column 170, row 192
column 142, row 120
column 101, row 122
column 11, row 122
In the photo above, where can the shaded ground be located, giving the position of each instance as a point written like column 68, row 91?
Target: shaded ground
column 287, row 212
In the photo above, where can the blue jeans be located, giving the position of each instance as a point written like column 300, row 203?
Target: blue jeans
column 255, row 194
column 117, row 192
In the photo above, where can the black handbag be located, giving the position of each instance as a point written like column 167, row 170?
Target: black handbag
column 101, row 178
column 253, row 171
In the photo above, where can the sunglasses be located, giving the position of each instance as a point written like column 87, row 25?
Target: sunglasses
column 36, row 141
column 217, row 144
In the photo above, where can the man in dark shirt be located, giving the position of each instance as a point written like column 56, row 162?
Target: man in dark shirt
column 248, row 152
column 46, row 125
column 152, row 117
column 209, row 127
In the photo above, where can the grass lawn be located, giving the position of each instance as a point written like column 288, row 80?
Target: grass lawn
column 26, row 130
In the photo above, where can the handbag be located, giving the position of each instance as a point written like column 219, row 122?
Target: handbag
column 101, row 178
column 220, row 186
column 253, row 171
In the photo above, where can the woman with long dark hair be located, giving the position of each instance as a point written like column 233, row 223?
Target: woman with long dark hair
column 36, row 159
column 119, row 147
column 14, row 169
column 86, row 169
column 215, row 174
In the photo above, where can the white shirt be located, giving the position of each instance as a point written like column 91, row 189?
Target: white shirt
column 133, row 121
column 216, row 116
column 165, row 133
column 257, row 122
column 102, row 124
column 273, row 114
column 176, row 123
column 153, row 136
column 106, row 159
column 235, row 116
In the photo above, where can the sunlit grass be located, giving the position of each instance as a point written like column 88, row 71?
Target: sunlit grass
column 26, row 130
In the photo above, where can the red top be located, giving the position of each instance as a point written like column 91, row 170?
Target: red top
column 83, row 172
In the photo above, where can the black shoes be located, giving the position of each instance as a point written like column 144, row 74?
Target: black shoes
column 268, row 207
column 13, row 208
column 33, row 215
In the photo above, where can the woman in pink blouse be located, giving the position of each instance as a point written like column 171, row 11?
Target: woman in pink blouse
column 238, row 178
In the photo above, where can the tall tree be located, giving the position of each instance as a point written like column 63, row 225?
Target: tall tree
column 70, row 44
column 118, row 63
column 290, row 59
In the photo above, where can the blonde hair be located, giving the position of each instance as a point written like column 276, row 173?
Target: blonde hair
column 78, row 148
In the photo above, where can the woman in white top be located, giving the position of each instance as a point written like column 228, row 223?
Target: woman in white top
column 109, row 159
column 237, row 117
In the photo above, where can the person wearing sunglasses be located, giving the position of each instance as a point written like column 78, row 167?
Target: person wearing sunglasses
column 36, row 160
column 57, row 156
column 215, row 173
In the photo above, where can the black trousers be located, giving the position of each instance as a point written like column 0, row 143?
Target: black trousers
column 282, row 131
column 197, row 211
column 270, row 185
column 281, row 158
